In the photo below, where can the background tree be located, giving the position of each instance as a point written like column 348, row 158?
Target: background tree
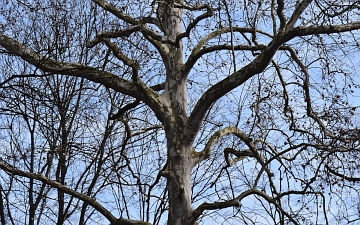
column 179, row 112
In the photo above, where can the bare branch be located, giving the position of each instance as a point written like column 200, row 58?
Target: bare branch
column 205, row 15
column 138, row 25
column 280, row 13
column 346, row 8
column 48, row 65
column 205, row 153
column 343, row 176
column 129, row 222
column 61, row 187
column 234, row 80
column 127, row 61
column 221, row 205
column 136, row 89
column 296, row 14
column 198, row 6
column 256, row 66
column 329, row 29
column 110, row 8
column 158, row 87
column 239, row 154
column 198, row 50
column 118, row 33
column 206, row 50
column 122, row 110
column 147, row 32
column 235, row 202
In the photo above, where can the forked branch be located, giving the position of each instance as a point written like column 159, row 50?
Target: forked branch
column 256, row 66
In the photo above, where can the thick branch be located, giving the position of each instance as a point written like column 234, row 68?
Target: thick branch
column 45, row 64
column 197, row 7
column 125, row 17
column 137, row 25
column 193, row 58
column 158, row 87
column 122, row 110
column 280, row 13
column 297, row 12
column 136, row 89
column 129, row 222
column 329, row 29
column 127, row 61
column 236, row 202
column 73, row 193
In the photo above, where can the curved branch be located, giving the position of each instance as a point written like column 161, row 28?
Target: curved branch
column 205, row 153
column 205, row 15
column 110, row 8
column 309, row 108
column 125, row 59
column 191, row 61
column 221, row 205
column 197, row 51
column 239, row 154
column 61, row 187
column 137, row 25
column 285, row 93
column 122, row 221
column 122, row 110
column 147, row 32
column 158, row 87
column 236, row 202
column 343, row 176
column 46, row 64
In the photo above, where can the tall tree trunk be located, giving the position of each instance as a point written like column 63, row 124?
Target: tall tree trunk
column 175, row 94
column 179, row 181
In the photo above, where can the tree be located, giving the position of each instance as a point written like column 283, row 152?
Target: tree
column 238, row 112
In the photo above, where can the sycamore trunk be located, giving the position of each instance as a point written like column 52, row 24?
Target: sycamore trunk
column 179, row 151
column 179, row 182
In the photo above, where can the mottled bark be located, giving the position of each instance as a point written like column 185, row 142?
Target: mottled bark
column 175, row 97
